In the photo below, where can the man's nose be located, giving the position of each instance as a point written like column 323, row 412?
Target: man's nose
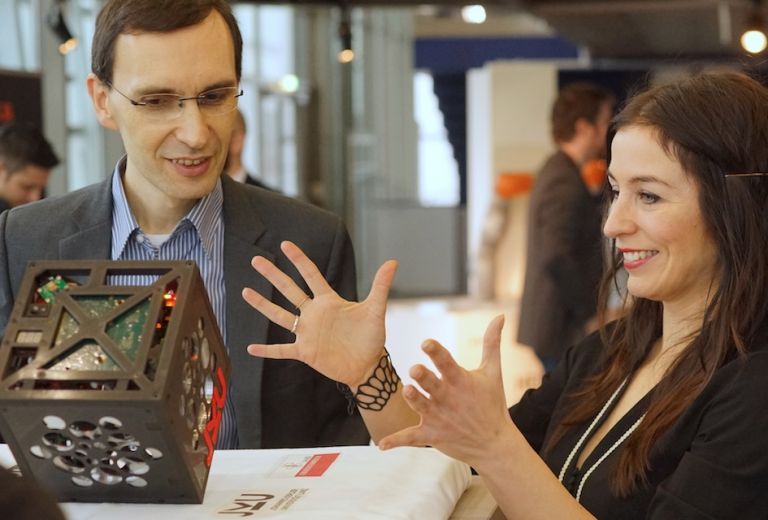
column 192, row 128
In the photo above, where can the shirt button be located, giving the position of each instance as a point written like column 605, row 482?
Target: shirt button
column 140, row 238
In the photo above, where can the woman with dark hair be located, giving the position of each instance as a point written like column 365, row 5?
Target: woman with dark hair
column 662, row 414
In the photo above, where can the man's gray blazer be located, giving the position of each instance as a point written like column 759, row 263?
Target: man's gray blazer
column 279, row 404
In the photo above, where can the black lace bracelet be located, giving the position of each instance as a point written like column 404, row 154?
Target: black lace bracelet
column 379, row 388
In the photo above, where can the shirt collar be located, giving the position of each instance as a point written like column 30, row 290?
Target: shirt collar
column 205, row 216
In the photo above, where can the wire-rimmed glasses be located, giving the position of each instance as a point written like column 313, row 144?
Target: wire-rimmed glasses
column 166, row 106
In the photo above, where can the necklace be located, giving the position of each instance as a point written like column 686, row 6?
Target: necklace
column 586, row 435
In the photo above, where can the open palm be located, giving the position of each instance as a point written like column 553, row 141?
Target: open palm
column 340, row 339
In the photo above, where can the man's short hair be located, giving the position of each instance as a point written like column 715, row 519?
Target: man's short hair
column 23, row 144
column 153, row 16
column 577, row 101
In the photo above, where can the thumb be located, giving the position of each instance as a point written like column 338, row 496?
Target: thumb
column 380, row 287
column 492, row 344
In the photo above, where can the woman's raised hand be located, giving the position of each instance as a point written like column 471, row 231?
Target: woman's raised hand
column 341, row 339
column 465, row 415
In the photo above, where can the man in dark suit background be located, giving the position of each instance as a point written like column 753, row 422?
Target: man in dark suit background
column 234, row 166
column 564, row 260
column 26, row 160
column 166, row 76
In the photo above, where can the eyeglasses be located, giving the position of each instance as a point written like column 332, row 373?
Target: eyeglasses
column 213, row 102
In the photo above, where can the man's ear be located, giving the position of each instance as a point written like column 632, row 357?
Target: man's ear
column 583, row 125
column 99, row 94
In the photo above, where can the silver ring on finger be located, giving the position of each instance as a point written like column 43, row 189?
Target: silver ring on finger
column 295, row 324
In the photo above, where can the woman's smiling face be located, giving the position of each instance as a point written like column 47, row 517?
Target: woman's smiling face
column 657, row 223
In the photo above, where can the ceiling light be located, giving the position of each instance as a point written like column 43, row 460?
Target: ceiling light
column 346, row 55
column 56, row 22
column 754, row 40
column 473, row 13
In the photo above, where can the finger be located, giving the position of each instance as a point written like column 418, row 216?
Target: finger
column 491, row 344
column 272, row 311
column 411, row 436
column 444, row 362
column 427, row 380
column 275, row 351
column 279, row 279
column 309, row 271
column 418, row 402
column 380, row 288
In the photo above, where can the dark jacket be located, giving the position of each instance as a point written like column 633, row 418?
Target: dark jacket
column 564, row 260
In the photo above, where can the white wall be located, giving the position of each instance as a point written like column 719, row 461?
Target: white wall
column 508, row 130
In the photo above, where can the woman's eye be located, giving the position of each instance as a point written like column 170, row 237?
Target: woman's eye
column 648, row 198
column 614, row 193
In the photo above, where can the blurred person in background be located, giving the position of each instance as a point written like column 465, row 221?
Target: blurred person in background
column 564, row 262
column 234, row 166
column 26, row 160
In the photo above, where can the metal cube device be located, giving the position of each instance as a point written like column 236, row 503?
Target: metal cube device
column 110, row 391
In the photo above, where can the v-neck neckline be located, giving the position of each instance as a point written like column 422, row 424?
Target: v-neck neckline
column 616, row 431
column 574, row 476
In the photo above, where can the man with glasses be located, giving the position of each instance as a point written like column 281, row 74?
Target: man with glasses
column 166, row 76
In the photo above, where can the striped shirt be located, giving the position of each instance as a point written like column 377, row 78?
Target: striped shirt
column 199, row 236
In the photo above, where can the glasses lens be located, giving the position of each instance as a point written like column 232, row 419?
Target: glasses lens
column 161, row 104
column 218, row 101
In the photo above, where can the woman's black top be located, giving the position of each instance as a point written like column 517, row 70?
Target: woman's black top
column 712, row 462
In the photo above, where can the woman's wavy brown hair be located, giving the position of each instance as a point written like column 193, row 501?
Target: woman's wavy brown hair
column 716, row 127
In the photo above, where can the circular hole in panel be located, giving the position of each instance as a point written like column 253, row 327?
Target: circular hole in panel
column 195, row 355
column 121, row 437
column 110, row 423
column 81, row 453
column 208, row 388
column 82, row 481
column 99, row 445
column 186, row 380
column 133, row 465
column 202, row 418
column 205, row 352
column 84, row 430
column 40, row 452
column 84, row 446
column 68, row 463
column 52, row 422
column 130, row 447
column 106, row 475
column 154, row 453
column 190, row 413
column 135, row 481
column 59, row 441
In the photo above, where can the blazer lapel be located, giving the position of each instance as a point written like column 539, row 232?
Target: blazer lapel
column 94, row 219
column 242, row 230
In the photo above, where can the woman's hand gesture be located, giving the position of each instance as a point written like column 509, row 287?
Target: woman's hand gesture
column 341, row 339
column 465, row 415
